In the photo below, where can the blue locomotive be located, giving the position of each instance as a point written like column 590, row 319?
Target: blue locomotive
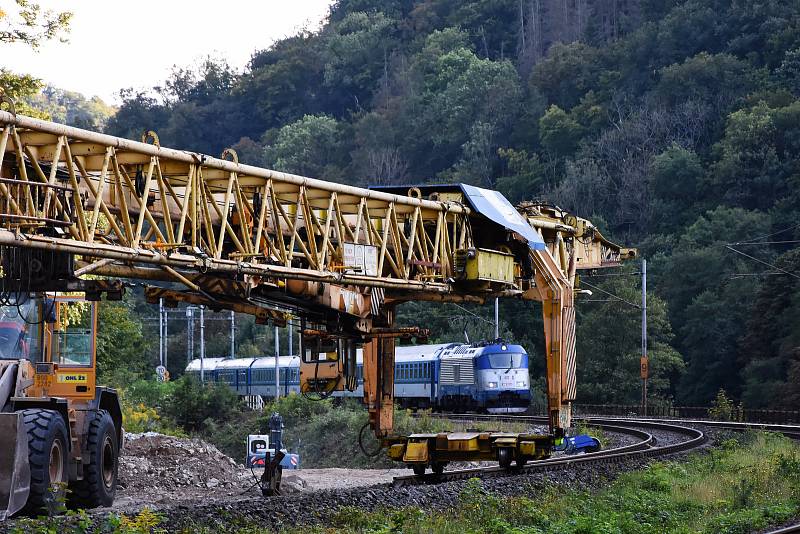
column 481, row 377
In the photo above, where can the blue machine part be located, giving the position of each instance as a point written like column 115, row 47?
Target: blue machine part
column 258, row 449
column 579, row 444
column 290, row 461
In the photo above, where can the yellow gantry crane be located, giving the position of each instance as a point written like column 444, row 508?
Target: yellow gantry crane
column 276, row 245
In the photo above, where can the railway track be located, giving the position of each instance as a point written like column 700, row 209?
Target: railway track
column 647, row 446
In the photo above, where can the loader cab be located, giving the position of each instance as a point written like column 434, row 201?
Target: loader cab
column 56, row 333
column 71, row 345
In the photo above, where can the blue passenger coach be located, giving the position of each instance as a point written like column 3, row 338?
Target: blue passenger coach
column 481, row 377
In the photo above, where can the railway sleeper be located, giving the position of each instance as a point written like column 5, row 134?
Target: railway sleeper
column 420, row 451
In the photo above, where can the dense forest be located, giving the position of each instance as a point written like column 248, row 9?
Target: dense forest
column 673, row 125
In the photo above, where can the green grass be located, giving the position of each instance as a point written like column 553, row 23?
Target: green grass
column 742, row 486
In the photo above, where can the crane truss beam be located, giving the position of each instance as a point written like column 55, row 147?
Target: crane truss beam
column 108, row 197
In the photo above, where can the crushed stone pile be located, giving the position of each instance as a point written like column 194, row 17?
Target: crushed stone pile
column 153, row 461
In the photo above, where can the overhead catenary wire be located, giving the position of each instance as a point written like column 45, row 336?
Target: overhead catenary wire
column 473, row 314
column 610, row 294
column 593, row 275
column 770, row 265
column 766, row 242
column 757, row 238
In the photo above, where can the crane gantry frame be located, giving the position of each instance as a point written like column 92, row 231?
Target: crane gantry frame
column 271, row 243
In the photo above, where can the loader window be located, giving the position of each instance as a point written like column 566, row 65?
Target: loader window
column 72, row 335
column 19, row 331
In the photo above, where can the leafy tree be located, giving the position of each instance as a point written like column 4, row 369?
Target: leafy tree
column 28, row 24
column 558, row 132
column 357, row 51
column 789, row 71
column 770, row 347
column 31, row 25
column 69, row 107
column 757, row 155
column 707, row 306
column 139, row 113
column 609, row 346
column 283, row 83
column 567, row 73
column 310, row 146
column 20, row 88
column 121, row 345
column 192, row 404
column 525, row 174
column 677, row 173
column 717, row 78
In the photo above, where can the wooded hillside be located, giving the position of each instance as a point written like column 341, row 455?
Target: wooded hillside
column 674, row 125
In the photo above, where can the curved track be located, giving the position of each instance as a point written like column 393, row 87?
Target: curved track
column 646, row 446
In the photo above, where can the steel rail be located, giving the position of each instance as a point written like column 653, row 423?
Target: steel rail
column 646, row 447
column 643, row 448
column 786, row 530
column 787, row 430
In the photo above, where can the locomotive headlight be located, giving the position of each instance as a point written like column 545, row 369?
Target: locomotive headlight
column 491, row 385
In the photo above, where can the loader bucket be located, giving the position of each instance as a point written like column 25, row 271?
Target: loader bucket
column 15, row 472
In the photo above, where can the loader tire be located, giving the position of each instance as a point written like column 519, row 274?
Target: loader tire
column 99, row 482
column 48, row 452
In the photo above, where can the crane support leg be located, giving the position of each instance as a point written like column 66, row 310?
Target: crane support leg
column 558, row 308
column 379, row 384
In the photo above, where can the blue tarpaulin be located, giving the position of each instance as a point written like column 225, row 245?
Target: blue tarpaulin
column 491, row 204
column 494, row 206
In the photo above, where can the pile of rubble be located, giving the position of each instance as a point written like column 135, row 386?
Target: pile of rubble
column 152, row 461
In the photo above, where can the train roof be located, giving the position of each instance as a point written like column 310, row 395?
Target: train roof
column 409, row 353
column 268, row 362
column 209, row 364
column 235, row 363
column 476, row 350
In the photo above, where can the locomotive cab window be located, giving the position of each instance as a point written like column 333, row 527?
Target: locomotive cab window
column 505, row 360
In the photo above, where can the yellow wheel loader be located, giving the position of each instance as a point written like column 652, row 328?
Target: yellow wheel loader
column 60, row 435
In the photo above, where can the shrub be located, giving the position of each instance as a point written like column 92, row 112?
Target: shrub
column 191, row 403
column 723, row 408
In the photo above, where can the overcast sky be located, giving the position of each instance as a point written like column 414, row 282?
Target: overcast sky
column 115, row 44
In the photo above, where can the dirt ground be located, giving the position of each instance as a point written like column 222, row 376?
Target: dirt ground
column 158, row 470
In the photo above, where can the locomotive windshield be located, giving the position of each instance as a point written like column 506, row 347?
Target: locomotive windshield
column 506, row 360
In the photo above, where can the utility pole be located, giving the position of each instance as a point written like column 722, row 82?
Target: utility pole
column 166, row 337
column 160, row 331
column 202, row 345
column 233, row 335
column 277, row 367
column 189, row 334
column 291, row 336
column 496, row 318
column 644, row 364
